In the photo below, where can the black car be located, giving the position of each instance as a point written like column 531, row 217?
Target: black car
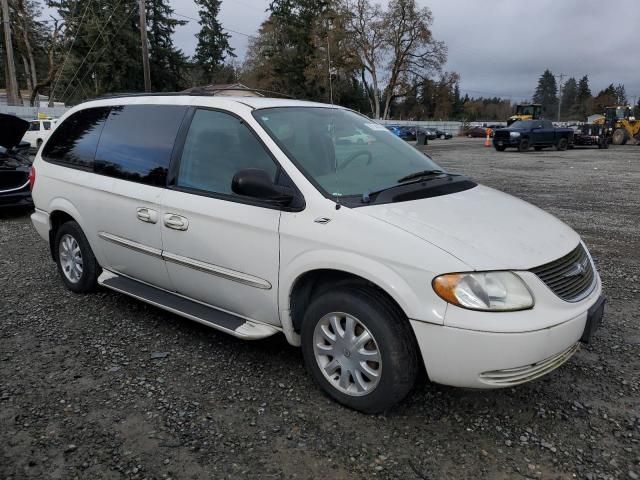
column 538, row 134
column 15, row 165
column 441, row 134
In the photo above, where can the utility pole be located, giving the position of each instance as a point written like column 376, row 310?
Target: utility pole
column 145, row 48
column 12, row 82
column 562, row 75
column 329, row 61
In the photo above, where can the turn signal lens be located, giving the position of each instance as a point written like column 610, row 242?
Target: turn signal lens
column 487, row 291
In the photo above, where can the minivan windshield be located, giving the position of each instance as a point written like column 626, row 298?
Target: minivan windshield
column 341, row 152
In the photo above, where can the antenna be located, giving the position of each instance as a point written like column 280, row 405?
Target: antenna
column 329, row 61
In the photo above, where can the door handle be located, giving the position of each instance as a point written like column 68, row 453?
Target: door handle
column 147, row 215
column 176, row 222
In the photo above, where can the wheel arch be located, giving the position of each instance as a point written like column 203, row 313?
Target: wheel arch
column 298, row 287
column 60, row 211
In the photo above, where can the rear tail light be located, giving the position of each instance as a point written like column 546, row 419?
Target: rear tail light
column 32, row 178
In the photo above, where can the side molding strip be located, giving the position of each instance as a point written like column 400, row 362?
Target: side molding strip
column 209, row 268
column 124, row 242
column 232, row 275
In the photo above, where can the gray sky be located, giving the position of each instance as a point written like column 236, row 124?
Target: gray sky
column 499, row 47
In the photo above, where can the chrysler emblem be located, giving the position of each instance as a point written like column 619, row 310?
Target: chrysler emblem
column 578, row 268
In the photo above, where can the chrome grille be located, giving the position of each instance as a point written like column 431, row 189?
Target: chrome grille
column 571, row 277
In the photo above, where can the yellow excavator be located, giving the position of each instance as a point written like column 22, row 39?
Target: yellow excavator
column 626, row 129
column 528, row 111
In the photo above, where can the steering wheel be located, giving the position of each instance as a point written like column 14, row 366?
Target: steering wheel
column 357, row 154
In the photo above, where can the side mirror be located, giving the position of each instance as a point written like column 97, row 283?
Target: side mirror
column 256, row 183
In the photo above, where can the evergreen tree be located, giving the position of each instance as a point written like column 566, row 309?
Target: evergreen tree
column 569, row 97
column 546, row 94
column 166, row 63
column 213, row 43
column 106, row 55
column 583, row 99
column 605, row 98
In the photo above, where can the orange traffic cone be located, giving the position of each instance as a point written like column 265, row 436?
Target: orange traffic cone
column 487, row 142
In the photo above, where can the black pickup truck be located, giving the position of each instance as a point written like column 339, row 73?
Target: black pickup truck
column 538, row 134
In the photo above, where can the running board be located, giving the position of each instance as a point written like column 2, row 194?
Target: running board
column 209, row 316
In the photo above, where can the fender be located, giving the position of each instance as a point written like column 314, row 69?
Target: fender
column 427, row 307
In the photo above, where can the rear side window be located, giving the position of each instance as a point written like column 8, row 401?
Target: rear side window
column 137, row 141
column 46, row 125
column 35, row 127
column 74, row 142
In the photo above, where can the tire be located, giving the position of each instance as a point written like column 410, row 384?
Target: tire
column 619, row 136
column 562, row 144
column 523, row 146
column 537, row 148
column 500, row 148
column 393, row 339
column 443, row 137
column 69, row 237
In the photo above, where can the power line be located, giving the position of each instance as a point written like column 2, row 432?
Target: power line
column 93, row 45
column 99, row 56
column 64, row 62
column 224, row 28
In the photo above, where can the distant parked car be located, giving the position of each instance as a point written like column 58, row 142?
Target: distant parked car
column 442, row 134
column 15, row 166
column 38, row 132
column 476, row 132
column 404, row 132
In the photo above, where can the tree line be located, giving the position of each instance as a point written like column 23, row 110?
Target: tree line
column 576, row 100
column 382, row 61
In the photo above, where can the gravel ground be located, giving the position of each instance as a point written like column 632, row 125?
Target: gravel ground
column 103, row 386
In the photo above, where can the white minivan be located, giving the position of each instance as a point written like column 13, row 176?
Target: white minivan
column 248, row 215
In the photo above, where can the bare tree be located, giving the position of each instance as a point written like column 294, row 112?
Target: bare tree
column 23, row 21
column 413, row 52
column 366, row 26
column 53, row 43
column 395, row 48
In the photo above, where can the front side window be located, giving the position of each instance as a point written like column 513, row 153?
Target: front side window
column 217, row 146
column 137, row 141
column 74, row 142
column 342, row 152
column 46, row 125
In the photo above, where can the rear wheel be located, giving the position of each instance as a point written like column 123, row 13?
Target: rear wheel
column 562, row 144
column 359, row 348
column 523, row 146
column 76, row 263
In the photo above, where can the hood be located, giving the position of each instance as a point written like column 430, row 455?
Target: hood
column 12, row 129
column 484, row 228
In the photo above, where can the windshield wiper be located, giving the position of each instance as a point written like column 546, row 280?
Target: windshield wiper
column 420, row 174
column 415, row 177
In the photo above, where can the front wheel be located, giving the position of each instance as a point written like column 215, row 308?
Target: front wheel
column 359, row 348
column 523, row 146
column 619, row 136
column 76, row 263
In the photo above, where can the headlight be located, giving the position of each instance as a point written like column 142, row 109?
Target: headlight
column 514, row 134
column 489, row 291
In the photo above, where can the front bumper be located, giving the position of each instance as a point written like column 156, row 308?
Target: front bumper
column 480, row 359
column 506, row 142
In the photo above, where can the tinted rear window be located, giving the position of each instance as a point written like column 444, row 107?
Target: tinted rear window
column 137, row 141
column 74, row 142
